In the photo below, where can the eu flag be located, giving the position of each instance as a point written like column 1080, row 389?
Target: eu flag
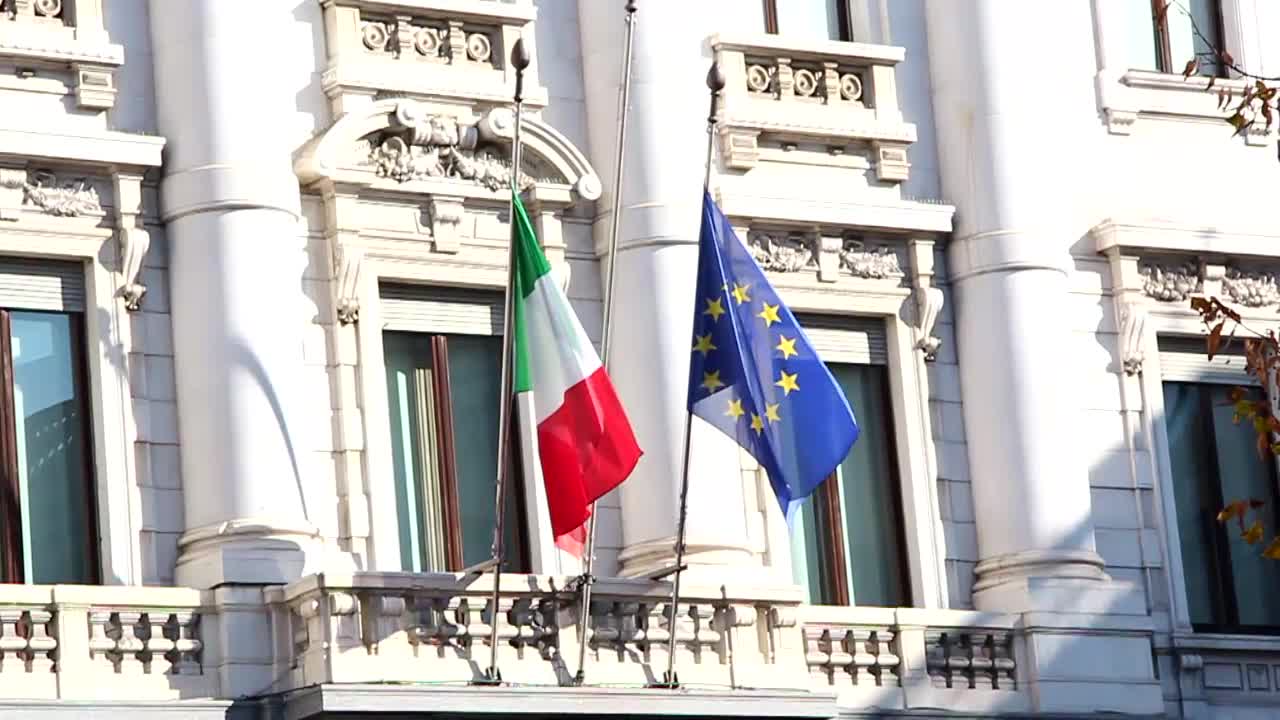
column 754, row 374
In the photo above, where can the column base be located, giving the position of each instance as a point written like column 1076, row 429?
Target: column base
column 251, row 552
column 706, row 561
column 1057, row 581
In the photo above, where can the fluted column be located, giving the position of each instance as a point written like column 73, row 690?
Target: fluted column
column 657, row 259
column 230, row 205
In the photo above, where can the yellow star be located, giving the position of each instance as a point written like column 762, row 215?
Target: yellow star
column 711, row 380
column 771, row 412
column 740, row 293
column 756, row 423
column 787, row 346
column 769, row 314
column 704, row 344
column 714, row 309
column 787, row 381
column 735, row 410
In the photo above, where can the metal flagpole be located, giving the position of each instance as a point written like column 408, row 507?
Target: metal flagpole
column 614, row 221
column 520, row 61
column 715, row 83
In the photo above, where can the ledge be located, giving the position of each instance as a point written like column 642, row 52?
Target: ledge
column 491, row 10
column 1171, row 236
column 851, row 52
column 103, row 148
column 551, row 702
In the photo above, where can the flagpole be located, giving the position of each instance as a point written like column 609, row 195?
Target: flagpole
column 614, row 222
column 520, row 61
column 715, row 83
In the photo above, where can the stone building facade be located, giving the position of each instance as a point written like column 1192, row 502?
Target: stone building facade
column 251, row 268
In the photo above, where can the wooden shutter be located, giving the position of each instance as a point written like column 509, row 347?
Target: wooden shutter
column 444, row 310
column 846, row 339
column 32, row 284
column 1183, row 358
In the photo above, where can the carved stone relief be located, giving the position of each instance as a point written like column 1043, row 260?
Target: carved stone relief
column 869, row 262
column 1172, row 282
column 779, row 253
column 439, row 146
column 1251, row 289
column 55, row 196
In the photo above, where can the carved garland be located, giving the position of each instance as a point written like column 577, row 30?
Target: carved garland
column 63, row 198
column 1175, row 282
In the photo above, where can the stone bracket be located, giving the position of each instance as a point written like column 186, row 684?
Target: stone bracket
column 133, row 238
column 929, row 299
column 447, row 214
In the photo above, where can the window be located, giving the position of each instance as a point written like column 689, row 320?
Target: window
column 443, row 397
column 1230, row 587
column 48, row 517
column 1165, row 41
column 847, row 543
column 813, row 19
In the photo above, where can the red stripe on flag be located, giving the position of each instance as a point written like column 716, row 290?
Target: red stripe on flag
column 586, row 448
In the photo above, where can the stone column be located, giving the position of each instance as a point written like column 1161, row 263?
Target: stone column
column 1017, row 120
column 657, row 259
column 1009, row 108
column 230, row 204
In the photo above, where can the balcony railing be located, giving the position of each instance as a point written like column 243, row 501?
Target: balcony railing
column 71, row 642
column 782, row 93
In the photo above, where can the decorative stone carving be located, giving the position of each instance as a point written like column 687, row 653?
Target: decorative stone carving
column 1133, row 320
column 447, row 214
column 64, row 198
column 781, row 254
column 430, row 42
column 850, row 87
column 438, row 146
column 872, row 263
column 375, row 35
column 346, row 270
column 1251, row 289
column 759, row 78
column 132, row 236
column 48, row 8
column 806, row 83
column 930, row 303
column 1171, row 283
column 479, row 49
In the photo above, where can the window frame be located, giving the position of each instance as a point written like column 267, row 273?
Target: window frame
column 828, row 508
column 843, row 18
column 445, row 451
column 897, row 304
column 1165, row 62
column 1224, row 599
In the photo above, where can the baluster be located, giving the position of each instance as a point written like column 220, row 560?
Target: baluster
column 40, row 643
column 457, row 43
column 817, row 654
column 404, row 38
column 980, row 661
column 785, row 80
column 937, row 654
column 705, row 634
column 155, row 654
column 1002, row 660
column 830, row 84
column 862, row 661
column 128, row 643
column 12, row 643
column 102, row 647
column 185, row 655
column 887, row 669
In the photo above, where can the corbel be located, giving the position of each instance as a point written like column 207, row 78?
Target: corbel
column 131, row 235
column 1133, row 322
column 447, row 214
column 347, row 262
column 342, row 217
column 929, row 299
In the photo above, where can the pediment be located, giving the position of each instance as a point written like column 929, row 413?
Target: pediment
column 402, row 145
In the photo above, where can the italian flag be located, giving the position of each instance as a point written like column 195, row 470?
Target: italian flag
column 585, row 444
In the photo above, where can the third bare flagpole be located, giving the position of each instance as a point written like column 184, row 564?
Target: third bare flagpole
column 715, row 83
column 624, row 106
column 520, row 61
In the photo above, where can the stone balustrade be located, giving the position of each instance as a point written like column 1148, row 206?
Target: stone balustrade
column 783, row 94
column 399, row 627
column 73, row 642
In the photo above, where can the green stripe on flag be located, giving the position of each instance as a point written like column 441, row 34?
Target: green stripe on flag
column 531, row 264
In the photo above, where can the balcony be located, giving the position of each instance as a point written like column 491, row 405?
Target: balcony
column 60, row 47
column 363, row 640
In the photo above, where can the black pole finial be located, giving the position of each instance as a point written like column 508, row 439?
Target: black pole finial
column 631, row 6
column 715, row 78
column 520, row 61
column 715, row 82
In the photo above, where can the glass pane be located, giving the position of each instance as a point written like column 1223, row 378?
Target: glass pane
column 407, row 358
column 1190, row 459
column 1208, row 18
column 813, row 19
column 475, row 376
column 1140, row 34
column 53, row 448
column 1182, row 45
column 806, row 555
column 871, row 495
column 1244, row 475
